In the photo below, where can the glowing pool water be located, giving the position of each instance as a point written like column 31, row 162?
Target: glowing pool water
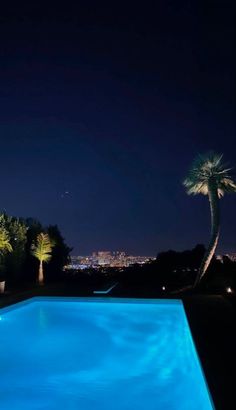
column 97, row 354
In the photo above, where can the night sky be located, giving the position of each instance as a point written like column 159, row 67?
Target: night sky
column 102, row 110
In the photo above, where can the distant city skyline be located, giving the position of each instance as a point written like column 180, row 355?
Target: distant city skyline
column 117, row 259
column 107, row 251
column 107, row 259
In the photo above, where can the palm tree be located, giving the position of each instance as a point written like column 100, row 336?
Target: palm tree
column 42, row 249
column 209, row 176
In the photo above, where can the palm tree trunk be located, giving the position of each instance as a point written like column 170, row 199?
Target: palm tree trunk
column 40, row 279
column 215, row 231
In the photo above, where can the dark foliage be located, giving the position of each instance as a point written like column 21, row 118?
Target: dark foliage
column 170, row 269
column 30, row 270
column 12, row 262
column 60, row 255
column 20, row 266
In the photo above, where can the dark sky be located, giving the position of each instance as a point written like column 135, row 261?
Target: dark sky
column 111, row 102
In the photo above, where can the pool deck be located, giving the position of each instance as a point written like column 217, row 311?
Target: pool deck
column 212, row 322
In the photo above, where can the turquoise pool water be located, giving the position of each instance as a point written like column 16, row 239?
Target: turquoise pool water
column 89, row 354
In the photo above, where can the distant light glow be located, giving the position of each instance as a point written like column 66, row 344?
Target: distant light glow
column 229, row 290
column 163, row 288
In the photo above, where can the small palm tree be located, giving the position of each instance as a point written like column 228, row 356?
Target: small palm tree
column 42, row 249
column 209, row 176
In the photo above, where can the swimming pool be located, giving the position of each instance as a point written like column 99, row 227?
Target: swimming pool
column 84, row 354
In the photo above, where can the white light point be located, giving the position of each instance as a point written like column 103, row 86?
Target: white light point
column 229, row 290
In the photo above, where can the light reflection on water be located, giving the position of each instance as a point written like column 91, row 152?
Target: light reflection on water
column 99, row 356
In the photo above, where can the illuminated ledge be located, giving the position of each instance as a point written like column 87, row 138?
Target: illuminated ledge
column 105, row 291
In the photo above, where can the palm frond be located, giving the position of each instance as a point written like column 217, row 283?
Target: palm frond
column 42, row 248
column 207, row 169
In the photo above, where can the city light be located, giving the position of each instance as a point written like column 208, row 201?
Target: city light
column 117, row 259
column 229, row 290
